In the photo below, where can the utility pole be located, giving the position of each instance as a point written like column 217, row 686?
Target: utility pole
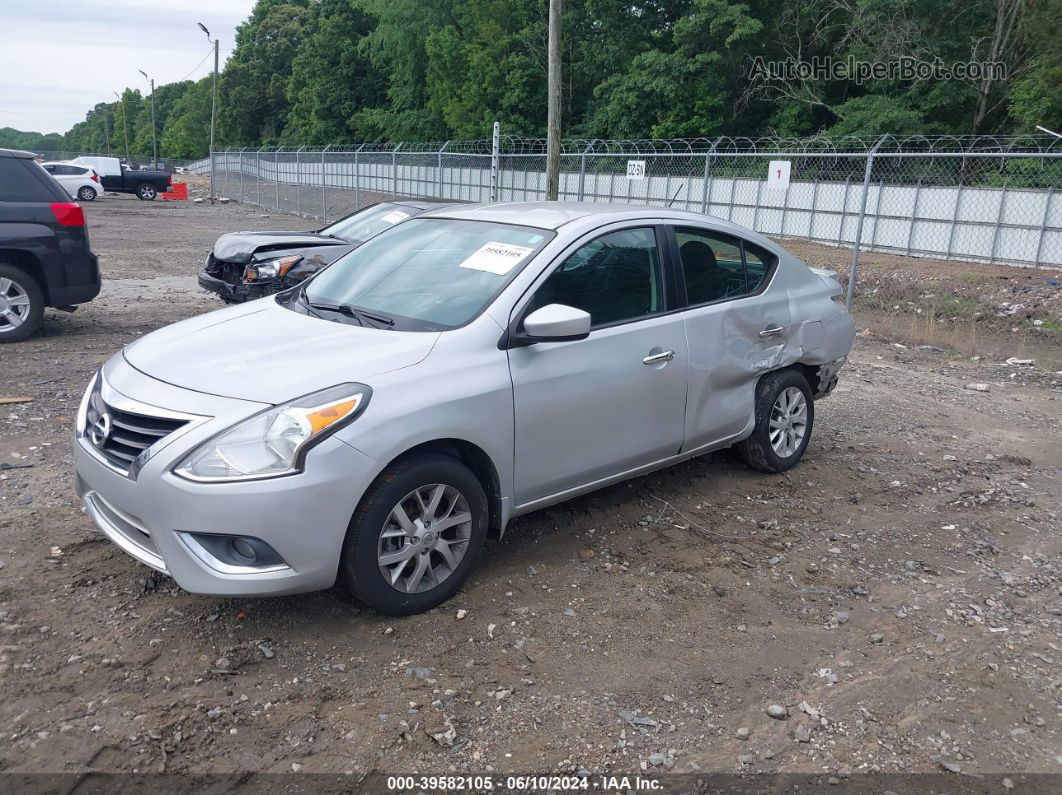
column 553, row 107
column 125, row 123
column 213, row 107
column 154, row 145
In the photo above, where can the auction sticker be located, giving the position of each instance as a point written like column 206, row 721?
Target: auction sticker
column 499, row 258
column 395, row 216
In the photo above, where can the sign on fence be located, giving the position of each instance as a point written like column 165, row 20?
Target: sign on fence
column 635, row 169
column 778, row 175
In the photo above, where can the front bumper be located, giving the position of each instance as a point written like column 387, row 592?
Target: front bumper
column 237, row 293
column 303, row 517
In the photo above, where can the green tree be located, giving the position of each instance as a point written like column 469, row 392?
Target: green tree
column 332, row 80
column 253, row 102
column 1037, row 94
column 680, row 90
column 10, row 138
column 187, row 130
column 397, row 46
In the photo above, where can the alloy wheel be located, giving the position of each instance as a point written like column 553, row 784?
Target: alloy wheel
column 14, row 305
column 789, row 422
column 424, row 538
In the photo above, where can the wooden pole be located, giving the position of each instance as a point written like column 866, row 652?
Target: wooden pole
column 553, row 122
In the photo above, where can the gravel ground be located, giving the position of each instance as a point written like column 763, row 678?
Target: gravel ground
column 893, row 604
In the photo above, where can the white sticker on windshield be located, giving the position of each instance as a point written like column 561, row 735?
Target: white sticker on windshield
column 499, row 258
column 395, row 216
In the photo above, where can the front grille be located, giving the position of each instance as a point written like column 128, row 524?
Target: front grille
column 228, row 272
column 120, row 436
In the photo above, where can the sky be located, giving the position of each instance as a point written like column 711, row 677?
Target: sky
column 60, row 57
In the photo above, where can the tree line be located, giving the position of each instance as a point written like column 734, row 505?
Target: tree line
column 316, row 72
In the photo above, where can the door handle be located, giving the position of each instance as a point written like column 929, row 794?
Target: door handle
column 772, row 331
column 657, row 358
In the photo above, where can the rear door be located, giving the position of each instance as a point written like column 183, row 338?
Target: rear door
column 736, row 324
column 67, row 176
column 592, row 408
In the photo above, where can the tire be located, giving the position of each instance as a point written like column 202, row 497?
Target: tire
column 146, row 192
column 774, row 394
column 86, row 194
column 360, row 571
column 21, row 304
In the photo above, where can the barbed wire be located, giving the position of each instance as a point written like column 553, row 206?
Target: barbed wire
column 860, row 145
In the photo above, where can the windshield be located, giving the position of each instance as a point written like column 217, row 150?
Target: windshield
column 429, row 273
column 369, row 222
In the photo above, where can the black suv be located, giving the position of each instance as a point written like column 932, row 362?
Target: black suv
column 45, row 258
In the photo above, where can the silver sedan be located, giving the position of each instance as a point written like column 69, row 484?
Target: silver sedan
column 466, row 367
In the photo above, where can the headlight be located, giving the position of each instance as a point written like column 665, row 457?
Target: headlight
column 270, row 269
column 275, row 442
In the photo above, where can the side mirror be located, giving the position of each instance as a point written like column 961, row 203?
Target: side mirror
column 556, row 323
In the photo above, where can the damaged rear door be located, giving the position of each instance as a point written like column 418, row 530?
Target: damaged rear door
column 737, row 323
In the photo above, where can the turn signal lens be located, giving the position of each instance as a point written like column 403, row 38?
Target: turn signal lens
column 322, row 418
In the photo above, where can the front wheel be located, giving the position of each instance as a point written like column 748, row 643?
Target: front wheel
column 86, row 194
column 415, row 536
column 146, row 192
column 785, row 414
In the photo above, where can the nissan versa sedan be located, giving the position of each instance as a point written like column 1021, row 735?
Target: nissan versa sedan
column 463, row 368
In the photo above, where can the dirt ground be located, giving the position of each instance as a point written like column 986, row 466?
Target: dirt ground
column 898, row 595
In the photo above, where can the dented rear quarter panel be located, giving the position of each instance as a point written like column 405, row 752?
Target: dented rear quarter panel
column 728, row 357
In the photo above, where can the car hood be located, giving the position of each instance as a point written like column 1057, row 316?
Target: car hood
column 240, row 247
column 262, row 352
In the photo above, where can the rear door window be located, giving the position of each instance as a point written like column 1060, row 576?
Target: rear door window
column 19, row 183
column 716, row 267
column 711, row 266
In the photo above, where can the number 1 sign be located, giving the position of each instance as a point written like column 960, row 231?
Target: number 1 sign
column 778, row 175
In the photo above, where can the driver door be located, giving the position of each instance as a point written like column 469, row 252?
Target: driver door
column 592, row 408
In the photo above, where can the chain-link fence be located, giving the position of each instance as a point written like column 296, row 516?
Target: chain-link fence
column 986, row 199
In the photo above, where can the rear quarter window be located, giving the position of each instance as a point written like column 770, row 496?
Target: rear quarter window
column 24, row 181
column 758, row 265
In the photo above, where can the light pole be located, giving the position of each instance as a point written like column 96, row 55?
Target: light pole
column 125, row 124
column 154, row 146
column 213, row 106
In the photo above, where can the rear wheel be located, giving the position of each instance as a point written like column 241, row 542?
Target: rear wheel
column 146, row 192
column 86, row 194
column 785, row 414
column 21, row 304
column 415, row 536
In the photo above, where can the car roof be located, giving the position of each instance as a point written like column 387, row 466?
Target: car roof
column 17, row 153
column 426, row 204
column 554, row 215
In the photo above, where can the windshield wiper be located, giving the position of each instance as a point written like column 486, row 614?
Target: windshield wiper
column 358, row 314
